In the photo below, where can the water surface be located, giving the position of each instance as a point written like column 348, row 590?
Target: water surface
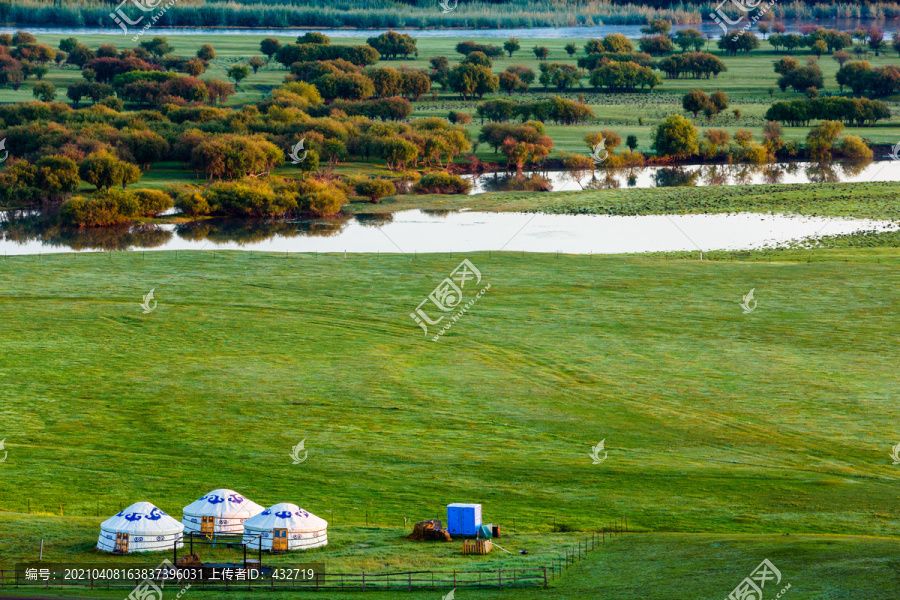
column 687, row 176
column 417, row 231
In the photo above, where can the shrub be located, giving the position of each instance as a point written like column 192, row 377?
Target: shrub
column 192, row 202
column 459, row 118
column 854, row 148
column 152, row 203
column 676, row 136
column 375, row 189
column 442, row 183
column 114, row 207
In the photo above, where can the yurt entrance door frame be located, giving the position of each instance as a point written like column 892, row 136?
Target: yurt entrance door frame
column 121, row 543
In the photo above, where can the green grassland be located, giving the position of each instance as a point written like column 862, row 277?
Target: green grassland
column 747, row 82
column 730, row 437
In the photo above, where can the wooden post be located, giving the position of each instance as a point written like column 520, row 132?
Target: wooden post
column 454, row 578
column 500, row 578
column 364, row 580
column 626, row 522
column 545, row 576
column 410, row 580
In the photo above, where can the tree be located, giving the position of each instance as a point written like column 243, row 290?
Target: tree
column 876, row 40
column 509, row 82
column 820, row 139
column 206, row 53
column 392, row 44
column 741, row 42
column 616, row 42
column 219, row 91
column 689, row 38
column 256, row 63
column 158, row 47
column 478, row 58
column 632, row 142
column 104, row 170
column 571, row 49
column 676, row 136
column 541, row 52
column 44, row 91
column 387, row 81
column 415, row 83
column 819, row 48
column 239, row 73
column 269, row 47
column 695, row 101
column 559, row 75
column 56, row 176
column 657, row 27
column 195, row 68
column 67, row 45
column 512, row 45
column 719, row 100
column 147, row 147
column 375, row 189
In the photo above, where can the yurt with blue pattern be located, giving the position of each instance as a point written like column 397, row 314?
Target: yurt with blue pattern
column 219, row 512
column 141, row 527
column 288, row 526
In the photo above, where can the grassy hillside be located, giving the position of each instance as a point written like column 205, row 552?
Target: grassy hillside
column 775, row 422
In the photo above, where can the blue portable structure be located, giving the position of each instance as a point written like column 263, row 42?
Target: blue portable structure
column 463, row 519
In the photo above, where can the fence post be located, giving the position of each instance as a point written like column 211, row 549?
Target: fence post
column 410, row 579
column 454, row 578
column 364, row 581
column 500, row 578
column 545, row 576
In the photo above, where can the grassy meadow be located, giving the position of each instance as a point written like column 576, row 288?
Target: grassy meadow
column 731, row 437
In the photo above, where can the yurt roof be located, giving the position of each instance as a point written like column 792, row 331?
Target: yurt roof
column 285, row 516
column 223, row 503
column 142, row 517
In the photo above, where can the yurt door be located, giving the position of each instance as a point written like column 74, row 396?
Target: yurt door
column 279, row 540
column 207, row 526
column 121, row 543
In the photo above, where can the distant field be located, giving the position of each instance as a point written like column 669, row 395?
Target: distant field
column 747, row 83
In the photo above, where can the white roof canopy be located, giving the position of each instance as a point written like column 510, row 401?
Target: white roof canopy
column 286, row 516
column 142, row 518
column 223, row 503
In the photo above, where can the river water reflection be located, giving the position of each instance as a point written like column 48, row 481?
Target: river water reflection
column 419, row 231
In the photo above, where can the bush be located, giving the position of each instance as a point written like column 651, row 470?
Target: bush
column 854, row 148
column 375, row 189
column 459, row 118
column 114, row 207
column 676, row 136
column 192, row 202
column 442, row 183
column 152, row 203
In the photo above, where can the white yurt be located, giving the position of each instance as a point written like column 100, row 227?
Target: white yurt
column 220, row 511
column 140, row 528
column 285, row 527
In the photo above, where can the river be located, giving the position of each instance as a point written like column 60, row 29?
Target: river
column 418, row 232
